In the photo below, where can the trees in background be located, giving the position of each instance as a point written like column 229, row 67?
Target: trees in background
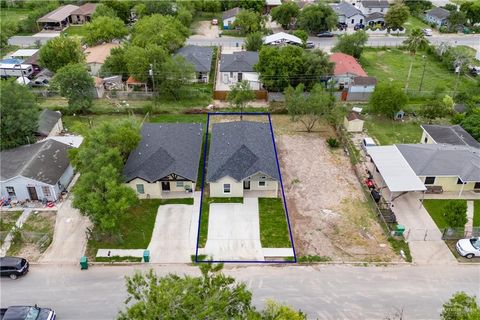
column 254, row 41
column 280, row 67
column 248, row 21
column 472, row 11
column 397, row 15
column 308, row 108
column 19, row 111
column 103, row 10
column 59, row 52
column 212, row 295
column 352, row 44
column 104, row 29
column 121, row 7
column 75, row 83
column 139, row 60
column 417, row 7
column 302, row 34
column 317, row 18
column 285, row 14
column 387, row 99
column 100, row 192
column 456, row 19
column 176, row 74
column 461, row 306
column 471, row 123
column 240, row 94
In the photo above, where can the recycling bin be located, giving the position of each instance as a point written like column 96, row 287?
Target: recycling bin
column 146, row 256
column 83, row 263
column 399, row 230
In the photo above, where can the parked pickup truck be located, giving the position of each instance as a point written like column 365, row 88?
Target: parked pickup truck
column 27, row 313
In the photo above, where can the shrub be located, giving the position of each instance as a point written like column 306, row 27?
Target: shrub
column 456, row 213
column 333, row 143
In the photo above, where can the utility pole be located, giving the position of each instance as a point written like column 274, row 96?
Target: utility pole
column 152, row 74
column 423, row 73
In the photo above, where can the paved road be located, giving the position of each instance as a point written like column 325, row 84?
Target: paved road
column 390, row 41
column 324, row 292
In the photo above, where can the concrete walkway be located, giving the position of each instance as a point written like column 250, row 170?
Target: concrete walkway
column 18, row 224
column 234, row 231
column 422, row 234
column 469, row 224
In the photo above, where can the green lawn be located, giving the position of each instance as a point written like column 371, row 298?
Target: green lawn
column 415, row 23
column 387, row 131
column 476, row 213
column 79, row 31
column 273, row 224
column 135, row 228
column 13, row 14
column 205, row 212
column 393, row 65
column 436, row 208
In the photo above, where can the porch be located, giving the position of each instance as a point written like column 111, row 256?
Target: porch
column 260, row 194
column 176, row 194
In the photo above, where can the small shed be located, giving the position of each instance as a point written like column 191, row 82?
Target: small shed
column 353, row 122
column 135, row 85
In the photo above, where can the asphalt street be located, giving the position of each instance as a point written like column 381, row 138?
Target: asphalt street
column 323, row 292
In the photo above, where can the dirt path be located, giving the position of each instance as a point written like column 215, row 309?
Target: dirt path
column 327, row 208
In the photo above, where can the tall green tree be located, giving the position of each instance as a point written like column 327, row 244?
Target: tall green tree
column 254, row 41
column 176, row 74
column 75, row 83
column 103, row 10
column 248, row 21
column 397, row 15
column 302, row 34
column 471, row 124
column 121, row 8
column 387, row 99
column 59, row 52
column 285, row 14
column 472, row 11
column 456, row 19
column 19, row 113
column 115, row 64
column 104, row 29
column 140, row 60
column 352, row 44
column 456, row 213
column 240, row 94
column 417, row 7
column 165, row 31
column 317, row 18
column 213, row 295
column 416, row 41
column 461, row 306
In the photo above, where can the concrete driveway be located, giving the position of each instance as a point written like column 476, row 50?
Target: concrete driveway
column 174, row 235
column 234, row 231
column 422, row 234
column 69, row 239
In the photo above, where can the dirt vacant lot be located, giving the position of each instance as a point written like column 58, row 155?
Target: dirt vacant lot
column 328, row 211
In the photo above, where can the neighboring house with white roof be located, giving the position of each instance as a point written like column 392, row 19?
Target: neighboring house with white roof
column 239, row 66
column 241, row 160
column 23, row 54
column 281, row 38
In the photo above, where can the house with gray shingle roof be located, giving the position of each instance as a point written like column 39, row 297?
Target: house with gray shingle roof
column 241, row 160
column 166, row 160
column 36, row 171
column 371, row 6
column 238, row 66
column 348, row 14
column 454, row 135
column 201, row 58
column 438, row 16
column 49, row 123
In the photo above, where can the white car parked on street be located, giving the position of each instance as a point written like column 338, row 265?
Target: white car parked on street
column 469, row 248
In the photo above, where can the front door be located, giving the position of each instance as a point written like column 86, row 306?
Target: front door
column 165, row 186
column 33, row 193
column 246, row 185
column 240, row 76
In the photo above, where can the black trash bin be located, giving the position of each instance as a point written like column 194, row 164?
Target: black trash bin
column 375, row 195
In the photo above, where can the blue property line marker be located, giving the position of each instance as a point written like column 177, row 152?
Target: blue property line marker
column 281, row 185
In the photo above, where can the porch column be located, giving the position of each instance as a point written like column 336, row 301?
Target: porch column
column 461, row 189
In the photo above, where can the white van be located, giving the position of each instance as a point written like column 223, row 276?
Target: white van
column 367, row 142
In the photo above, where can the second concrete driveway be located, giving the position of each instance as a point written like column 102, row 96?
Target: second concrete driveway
column 234, row 231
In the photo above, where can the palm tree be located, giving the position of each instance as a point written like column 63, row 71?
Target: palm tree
column 415, row 41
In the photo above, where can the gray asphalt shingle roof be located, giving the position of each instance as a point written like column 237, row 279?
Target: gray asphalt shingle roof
column 200, row 57
column 230, row 13
column 375, row 3
column 442, row 160
column 241, row 149
column 455, row 135
column 439, row 13
column 166, row 148
column 46, row 121
column 242, row 61
column 44, row 161
column 345, row 9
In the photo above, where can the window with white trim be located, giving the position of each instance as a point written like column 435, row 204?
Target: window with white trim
column 180, row 184
column 261, row 183
column 46, row 191
column 226, row 188
column 11, row 191
column 140, row 188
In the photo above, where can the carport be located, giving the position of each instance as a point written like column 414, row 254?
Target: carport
column 396, row 174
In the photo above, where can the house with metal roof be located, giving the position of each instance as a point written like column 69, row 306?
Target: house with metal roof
column 454, row 135
column 348, row 14
column 35, row 172
column 201, row 58
column 242, row 161
column 84, row 13
column 438, row 16
column 57, row 19
column 166, row 161
column 49, row 123
column 238, row 66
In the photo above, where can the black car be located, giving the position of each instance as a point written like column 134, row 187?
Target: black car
column 27, row 313
column 359, row 26
column 325, row 34
column 13, row 267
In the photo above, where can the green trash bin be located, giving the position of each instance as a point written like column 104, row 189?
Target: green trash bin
column 399, row 230
column 83, row 263
column 146, row 256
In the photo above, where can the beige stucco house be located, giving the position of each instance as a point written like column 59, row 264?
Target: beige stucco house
column 165, row 163
column 241, row 160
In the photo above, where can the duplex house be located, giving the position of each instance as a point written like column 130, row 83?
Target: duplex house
column 348, row 14
column 49, row 123
column 201, row 58
column 84, row 13
column 39, row 171
column 166, row 161
column 239, row 66
column 437, row 16
column 229, row 17
column 241, row 160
